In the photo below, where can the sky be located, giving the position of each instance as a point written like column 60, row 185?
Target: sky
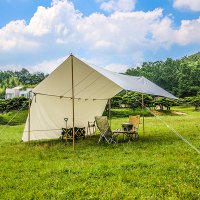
column 114, row 34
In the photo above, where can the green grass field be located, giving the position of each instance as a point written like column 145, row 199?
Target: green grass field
column 157, row 166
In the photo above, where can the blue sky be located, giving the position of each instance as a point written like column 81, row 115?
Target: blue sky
column 115, row 34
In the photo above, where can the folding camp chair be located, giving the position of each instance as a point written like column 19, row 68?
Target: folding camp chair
column 135, row 121
column 105, row 131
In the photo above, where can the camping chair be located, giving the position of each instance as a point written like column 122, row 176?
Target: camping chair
column 135, row 121
column 105, row 131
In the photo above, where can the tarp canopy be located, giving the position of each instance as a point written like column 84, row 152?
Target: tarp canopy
column 93, row 86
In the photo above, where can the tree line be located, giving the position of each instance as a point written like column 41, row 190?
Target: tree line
column 179, row 77
column 134, row 100
column 10, row 79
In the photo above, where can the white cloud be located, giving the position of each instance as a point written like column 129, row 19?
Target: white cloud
column 121, row 37
column 11, row 67
column 14, row 36
column 60, row 19
column 47, row 66
column 187, row 33
column 118, row 5
column 120, row 32
column 193, row 5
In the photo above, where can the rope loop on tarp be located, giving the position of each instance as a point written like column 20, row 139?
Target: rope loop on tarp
column 76, row 98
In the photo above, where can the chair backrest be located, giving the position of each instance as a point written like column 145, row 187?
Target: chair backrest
column 135, row 120
column 102, row 124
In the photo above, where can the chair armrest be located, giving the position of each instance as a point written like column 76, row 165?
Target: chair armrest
column 116, row 130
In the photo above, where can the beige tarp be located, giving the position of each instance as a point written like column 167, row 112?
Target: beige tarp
column 51, row 104
column 93, row 86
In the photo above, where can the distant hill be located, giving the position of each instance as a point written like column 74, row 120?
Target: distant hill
column 180, row 77
column 194, row 58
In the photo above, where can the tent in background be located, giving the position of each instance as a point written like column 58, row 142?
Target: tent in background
column 93, row 86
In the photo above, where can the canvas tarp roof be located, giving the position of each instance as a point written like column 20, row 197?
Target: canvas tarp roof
column 93, row 86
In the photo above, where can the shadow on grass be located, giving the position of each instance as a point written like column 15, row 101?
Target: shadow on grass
column 91, row 141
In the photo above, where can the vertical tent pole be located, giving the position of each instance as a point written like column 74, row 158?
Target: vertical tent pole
column 29, row 117
column 66, row 131
column 109, row 110
column 143, row 112
column 72, row 65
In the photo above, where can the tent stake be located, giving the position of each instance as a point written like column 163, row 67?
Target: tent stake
column 143, row 113
column 73, row 99
column 29, row 117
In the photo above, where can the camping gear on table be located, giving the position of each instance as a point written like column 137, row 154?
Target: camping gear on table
column 127, row 126
column 131, row 129
column 135, row 121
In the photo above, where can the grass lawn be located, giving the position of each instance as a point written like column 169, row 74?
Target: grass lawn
column 157, row 166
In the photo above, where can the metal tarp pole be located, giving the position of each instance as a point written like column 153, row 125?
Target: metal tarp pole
column 143, row 112
column 109, row 110
column 72, row 65
column 29, row 117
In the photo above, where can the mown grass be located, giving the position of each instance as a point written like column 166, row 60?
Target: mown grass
column 13, row 117
column 125, row 112
column 157, row 166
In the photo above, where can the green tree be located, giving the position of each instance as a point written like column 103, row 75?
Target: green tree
column 180, row 77
column 195, row 101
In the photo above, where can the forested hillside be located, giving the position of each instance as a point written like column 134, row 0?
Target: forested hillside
column 180, row 77
column 10, row 79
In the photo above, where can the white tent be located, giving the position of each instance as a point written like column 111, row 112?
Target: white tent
column 53, row 99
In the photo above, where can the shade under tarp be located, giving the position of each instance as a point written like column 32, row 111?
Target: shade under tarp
column 93, row 86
